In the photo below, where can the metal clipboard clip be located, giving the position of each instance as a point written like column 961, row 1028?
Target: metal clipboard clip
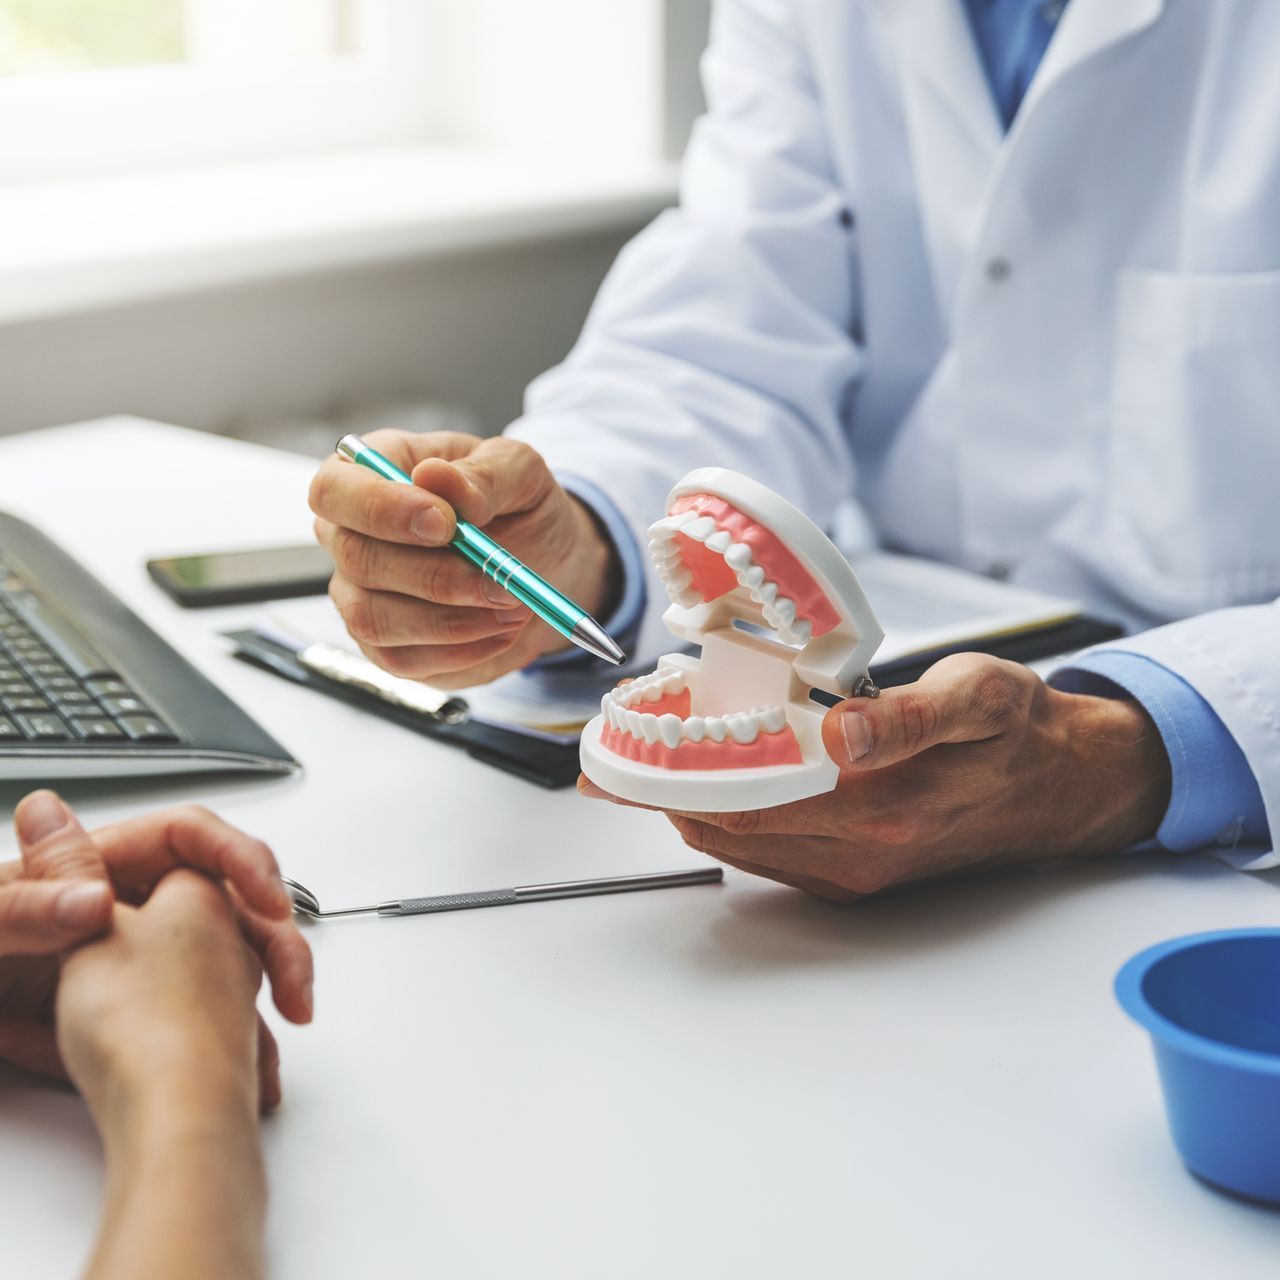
column 359, row 673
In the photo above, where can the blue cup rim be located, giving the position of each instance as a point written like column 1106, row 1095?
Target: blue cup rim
column 1128, row 988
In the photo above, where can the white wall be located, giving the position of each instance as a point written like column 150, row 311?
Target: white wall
column 465, row 330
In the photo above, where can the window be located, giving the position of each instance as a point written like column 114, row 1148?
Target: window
column 111, row 86
column 104, row 85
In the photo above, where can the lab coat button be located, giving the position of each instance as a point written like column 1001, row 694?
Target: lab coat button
column 999, row 570
column 998, row 269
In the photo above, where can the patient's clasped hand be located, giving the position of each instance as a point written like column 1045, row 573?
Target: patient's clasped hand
column 130, row 960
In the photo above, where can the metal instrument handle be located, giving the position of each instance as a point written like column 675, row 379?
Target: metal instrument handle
column 449, row 902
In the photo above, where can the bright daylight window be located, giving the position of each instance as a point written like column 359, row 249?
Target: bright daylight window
column 52, row 36
column 100, row 86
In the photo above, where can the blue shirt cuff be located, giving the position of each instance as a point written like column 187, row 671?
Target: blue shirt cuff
column 624, row 623
column 1214, row 797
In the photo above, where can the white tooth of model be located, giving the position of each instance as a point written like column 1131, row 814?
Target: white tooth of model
column 633, row 723
column 786, row 610
column 738, row 557
column 649, row 728
column 673, row 683
column 754, row 576
column 773, row 719
column 700, row 529
column 669, row 727
column 742, row 727
column 695, row 728
column 680, row 579
column 715, row 728
column 768, row 592
column 720, row 540
column 652, row 691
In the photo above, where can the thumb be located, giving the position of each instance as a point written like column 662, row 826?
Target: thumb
column 43, row 917
column 966, row 698
column 54, row 844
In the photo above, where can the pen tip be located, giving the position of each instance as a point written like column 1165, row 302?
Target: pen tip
column 592, row 637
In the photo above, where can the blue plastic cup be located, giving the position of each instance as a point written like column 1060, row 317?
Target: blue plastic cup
column 1211, row 1002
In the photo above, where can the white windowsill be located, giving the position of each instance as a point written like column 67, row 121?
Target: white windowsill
column 79, row 245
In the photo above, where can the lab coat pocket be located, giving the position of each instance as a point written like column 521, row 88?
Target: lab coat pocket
column 1194, row 494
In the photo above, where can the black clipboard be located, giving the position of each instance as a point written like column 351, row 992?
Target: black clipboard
column 548, row 764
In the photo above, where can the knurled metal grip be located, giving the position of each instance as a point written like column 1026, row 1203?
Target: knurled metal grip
column 456, row 902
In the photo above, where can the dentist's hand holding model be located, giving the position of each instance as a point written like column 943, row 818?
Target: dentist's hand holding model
column 1007, row 277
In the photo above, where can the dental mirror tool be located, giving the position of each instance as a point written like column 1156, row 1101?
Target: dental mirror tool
column 305, row 903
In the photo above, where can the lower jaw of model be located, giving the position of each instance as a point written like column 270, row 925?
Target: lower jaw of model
column 652, row 720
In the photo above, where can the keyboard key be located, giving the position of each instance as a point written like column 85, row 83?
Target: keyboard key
column 67, row 643
column 108, row 687
column 9, row 732
column 147, row 729
column 74, row 700
column 46, row 671
column 15, row 688
column 98, row 730
column 61, row 684
column 124, row 706
column 43, row 728
column 25, row 702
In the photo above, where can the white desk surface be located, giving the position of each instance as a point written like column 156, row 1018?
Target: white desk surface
column 709, row 1082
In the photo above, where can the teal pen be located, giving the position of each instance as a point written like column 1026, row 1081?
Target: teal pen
column 556, row 610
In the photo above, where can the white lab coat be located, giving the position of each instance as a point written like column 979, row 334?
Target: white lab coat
column 1056, row 351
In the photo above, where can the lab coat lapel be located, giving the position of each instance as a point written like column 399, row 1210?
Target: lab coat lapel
column 1088, row 28
column 953, row 125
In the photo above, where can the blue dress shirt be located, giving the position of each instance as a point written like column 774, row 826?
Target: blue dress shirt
column 1214, row 796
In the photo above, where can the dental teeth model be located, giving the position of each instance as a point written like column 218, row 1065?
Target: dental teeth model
column 731, row 551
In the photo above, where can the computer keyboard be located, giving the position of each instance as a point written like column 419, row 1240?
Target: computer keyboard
column 54, row 687
column 87, row 689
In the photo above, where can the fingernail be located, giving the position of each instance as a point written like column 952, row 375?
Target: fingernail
column 857, row 734
column 496, row 594
column 81, row 905
column 591, row 791
column 309, row 997
column 430, row 526
column 40, row 816
column 508, row 619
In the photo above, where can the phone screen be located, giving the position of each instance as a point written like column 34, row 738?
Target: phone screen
column 230, row 576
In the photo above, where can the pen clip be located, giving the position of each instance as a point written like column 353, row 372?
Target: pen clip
column 359, row 673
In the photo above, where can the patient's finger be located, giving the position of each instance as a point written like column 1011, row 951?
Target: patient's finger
column 44, row 917
column 54, row 844
column 140, row 851
column 269, row 1088
column 286, row 960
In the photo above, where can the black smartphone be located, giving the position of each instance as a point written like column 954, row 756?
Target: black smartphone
column 236, row 577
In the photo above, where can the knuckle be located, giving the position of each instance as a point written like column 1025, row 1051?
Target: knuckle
column 747, row 822
column 699, row 836
column 399, row 662
column 355, row 555
column 358, row 613
column 1001, row 694
column 437, row 582
column 377, row 507
column 917, row 720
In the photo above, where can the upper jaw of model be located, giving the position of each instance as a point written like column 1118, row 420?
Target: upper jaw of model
column 739, row 725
